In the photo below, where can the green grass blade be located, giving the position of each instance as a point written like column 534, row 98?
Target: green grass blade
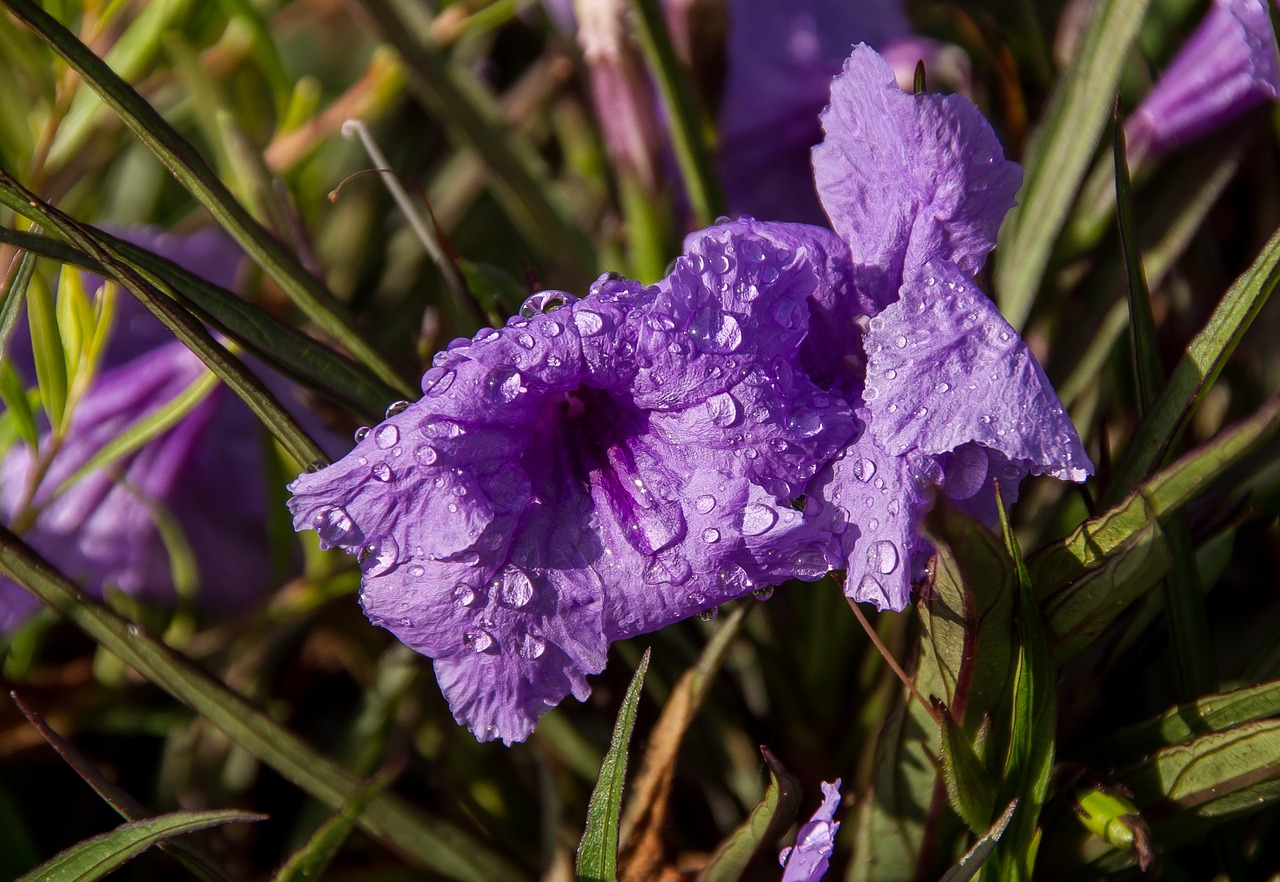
column 187, row 329
column 688, row 130
column 18, row 406
column 428, row 842
column 770, row 817
column 289, row 350
column 1060, row 154
column 96, row 857
column 190, row 168
column 969, row 865
column 457, row 100
column 598, row 851
column 1196, row 372
column 1147, row 373
column 46, row 347
column 14, row 295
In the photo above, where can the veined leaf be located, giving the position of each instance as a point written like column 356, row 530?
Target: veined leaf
column 771, row 816
column 96, row 857
column 598, row 851
column 1210, row 713
column 430, row 842
column 1060, row 153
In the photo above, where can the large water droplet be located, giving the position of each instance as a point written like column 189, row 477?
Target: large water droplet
column 526, row 340
column 397, row 407
column 334, row 526
column 379, row 557
column 882, row 557
column 864, row 470
column 708, row 615
column 463, row 595
column 723, row 409
column 382, row 472
column 757, row 518
column 426, row 454
column 733, row 581
column 711, row 535
column 513, row 586
column 721, row 263
column 437, row 381
column 900, row 342
column 869, row 588
column 503, row 384
column 386, row 436
column 704, row 504
column 671, row 571
column 762, row 593
column 531, row 646
column 804, row 422
column 478, row 640
column 719, row 331
column 544, row 301
column 589, row 323
column 361, row 433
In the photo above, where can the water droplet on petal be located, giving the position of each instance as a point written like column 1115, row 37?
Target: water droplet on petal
column 438, row 384
column 723, row 409
column 789, row 314
column 333, row 525
column 708, row 615
column 804, row 422
column 589, row 323
column 733, row 581
column 864, row 470
column 900, row 342
column 531, row 646
column 503, row 384
column 526, row 340
column 478, row 640
column 379, row 557
column 416, row 571
column 704, row 504
column 757, row 518
column 386, row 436
column 361, row 433
column 427, row 454
column 869, row 587
column 882, row 557
column 463, row 595
column 762, row 593
column 382, row 472
column 397, row 407
column 542, row 302
column 513, row 586
column 711, row 535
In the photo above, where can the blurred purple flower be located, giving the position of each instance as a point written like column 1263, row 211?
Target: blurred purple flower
column 104, row 530
column 596, row 469
column 917, row 186
column 1227, row 67
column 807, row 861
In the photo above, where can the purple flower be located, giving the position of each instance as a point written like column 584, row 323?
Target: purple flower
column 117, row 525
column 807, row 861
column 596, row 469
column 951, row 397
column 1227, row 67
column 781, row 58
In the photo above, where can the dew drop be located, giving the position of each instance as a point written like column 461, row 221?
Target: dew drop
column 478, row 640
column 416, row 571
column 733, row 581
column 708, row 615
column 804, row 422
column 589, row 323
column 333, row 525
column 757, row 519
column 721, row 263
column 526, row 340
column 789, row 314
column 762, row 593
column 542, row 302
column 513, row 587
column 552, row 329
column 869, row 587
column 379, row 557
column 438, row 384
column 531, row 646
column 396, row 408
column 361, row 433
column 704, row 504
column 386, row 436
column 943, row 387
column 463, row 595
column 426, row 454
column 864, row 470
column 723, row 409
column 900, row 342
column 891, row 374
column 382, row 472
column 711, row 535
column 882, row 557
column 503, row 384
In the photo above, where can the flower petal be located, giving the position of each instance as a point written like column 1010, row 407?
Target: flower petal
column 906, row 178
column 808, row 860
column 945, row 368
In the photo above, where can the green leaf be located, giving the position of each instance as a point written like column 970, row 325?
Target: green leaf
column 771, row 816
column 313, row 858
column 1210, row 713
column 969, row 865
column 18, row 406
column 688, row 130
column 1196, row 372
column 1148, row 374
column 1087, row 579
column 14, row 296
column 598, row 851
column 46, row 346
column 266, row 336
column 1060, row 153
column 186, row 163
column 969, row 785
column 1035, row 718
column 432, row 843
column 96, row 857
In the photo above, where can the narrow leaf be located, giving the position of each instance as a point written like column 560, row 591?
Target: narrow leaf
column 969, row 865
column 771, row 816
column 1210, row 713
column 96, row 857
column 969, row 787
column 189, row 167
column 433, row 843
column 46, row 346
column 1060, row 153
column 598, row 851
column 1163, row 425
column 17, row 405
column 15, row 292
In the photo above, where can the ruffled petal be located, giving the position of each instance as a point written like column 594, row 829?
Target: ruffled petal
column 906, row 178
column 808, row 860
column 945, row 368
column 596, row 469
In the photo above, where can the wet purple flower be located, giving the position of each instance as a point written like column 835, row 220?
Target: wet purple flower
column 596, row 469
column 780, row 61
column 807, row 861
column 200, row 484
column 917, row 186
column 1227, row 67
